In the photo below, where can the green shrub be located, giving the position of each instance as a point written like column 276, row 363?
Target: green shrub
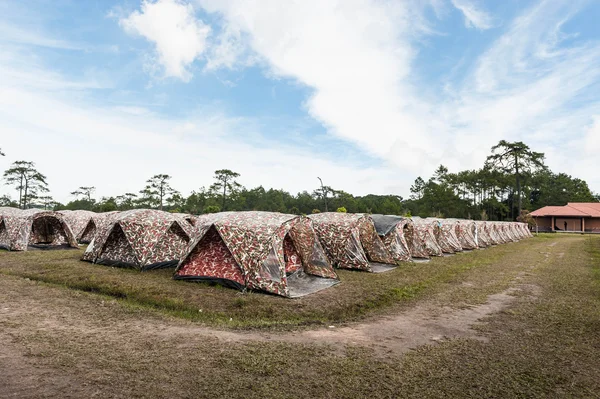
column 212, row 209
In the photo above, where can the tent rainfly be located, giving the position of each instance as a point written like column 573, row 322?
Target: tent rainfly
column 514, row 231
column 446, row 236
column 466, row 231
column 525, row 230
column 393, row 231
column 191, row 219
column 142, row 239
column 508, row 231
column 416, row 246
column 264, row 251
column 351, row 241
column 84, row 224
column 34, row 229
column 501, row 229
column 425, row 232
column 483, row 238
column 7, row 219
column 492, row 231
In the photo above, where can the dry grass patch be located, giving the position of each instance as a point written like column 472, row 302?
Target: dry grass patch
column 359, row 294
column 544, row 345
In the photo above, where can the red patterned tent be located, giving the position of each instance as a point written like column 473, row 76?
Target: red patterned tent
column 142, row 239
column 446, row 235
column 84, row 224
column 263, row 251
column 483, row 238
column 466, row 231
column 34, row 229
column 508, row 231
column 416, row 244
column 351, row 241
column 191, row 219
column 425, row 232
column 491, row 230
column 394, row 231
column 7, row 220
column 524, row 229
column 516, row 231
column 502, row 234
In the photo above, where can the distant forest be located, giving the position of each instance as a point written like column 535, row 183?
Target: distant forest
column 513, row 181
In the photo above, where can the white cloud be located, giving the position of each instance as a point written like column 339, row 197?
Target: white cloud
column 528, row 86
column 32, row 36
column 171, row 25
column 20, row 68
column 132, row 110
column 228, row 50
column 118, row 148
column 358, row 57
column 475, row 17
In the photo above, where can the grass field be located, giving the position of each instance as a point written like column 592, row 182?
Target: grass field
column 518, row 320
column 360, row 293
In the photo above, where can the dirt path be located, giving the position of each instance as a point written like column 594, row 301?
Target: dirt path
column 49, row 309
column 45, row 308
column 418, row 326
column 23, row 377
column 423, row 324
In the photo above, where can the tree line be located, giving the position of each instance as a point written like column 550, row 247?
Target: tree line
column 513, row 180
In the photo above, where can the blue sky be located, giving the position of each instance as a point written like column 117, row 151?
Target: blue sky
column 367, row 94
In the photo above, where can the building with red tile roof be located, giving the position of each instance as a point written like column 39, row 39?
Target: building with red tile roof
column 575, row 216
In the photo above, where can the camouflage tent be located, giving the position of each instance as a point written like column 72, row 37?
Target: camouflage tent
column 508, row 230
column 393, row 231
column 446, row 235
column 7, row 220
column 416, row 244
column 524, row 230
column 142, row 239
column 502, row 234
column 514, row 231
column 191, row 219
column 466, row 231
column 477, row 234
column 263, row 251
column 493, row 231
column 483, row 238
column 425, row 232
column 83, row 224
column 518, row 230
column 351, row 241
column 34, row 229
